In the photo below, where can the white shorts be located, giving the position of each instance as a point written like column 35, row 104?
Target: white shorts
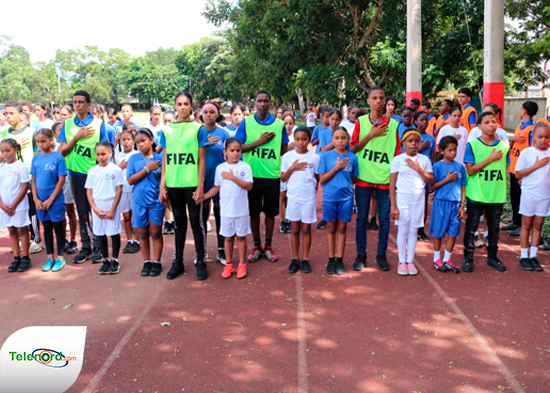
column 125, row 204
column 106, row 227
column 67, row 192
column 410, row 214
column 284, row 186
column 301, row 211
column 231, row 226
column 529, row 208
column 19, row 220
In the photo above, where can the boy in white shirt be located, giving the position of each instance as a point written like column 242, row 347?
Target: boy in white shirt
column 311, row 118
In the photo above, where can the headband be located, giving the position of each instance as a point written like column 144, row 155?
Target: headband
column 409, row 133
column 213, row 107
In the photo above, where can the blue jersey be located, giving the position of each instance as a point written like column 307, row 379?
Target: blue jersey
column 317, row 135
column 451, row 191
column 146, row 192
column 214, row 153
column 325, row 138
column 402, row 128
column 231, row 130
column 340, row 187
column 46, row 169
column 427, row 152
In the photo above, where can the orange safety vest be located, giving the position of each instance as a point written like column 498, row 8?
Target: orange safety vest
column 431, row 126
column 544, row 120
column 465, row 117
column 439, row 123
column 517, row 148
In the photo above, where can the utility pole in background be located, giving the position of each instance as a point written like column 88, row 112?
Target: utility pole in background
column 414, row 50
column 493, row 53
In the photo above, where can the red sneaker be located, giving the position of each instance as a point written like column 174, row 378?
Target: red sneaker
column 255, row 254
column 241, row 271
column 228, row 270
column 270, row 254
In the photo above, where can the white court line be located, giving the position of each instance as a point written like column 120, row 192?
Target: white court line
column 508, row 376
column 120, row 346
column 301, row 333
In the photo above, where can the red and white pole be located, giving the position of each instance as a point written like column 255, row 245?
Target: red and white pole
column 414, row 51
column 493, row 53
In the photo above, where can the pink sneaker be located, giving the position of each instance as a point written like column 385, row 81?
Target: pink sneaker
column 255, row 254
column 449, row 265
column 413, row 271
column 270, row 254
column 438, row 265
column 402, row 269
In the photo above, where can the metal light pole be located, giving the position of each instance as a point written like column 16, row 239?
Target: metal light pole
column 414, row 51
column 493, row 53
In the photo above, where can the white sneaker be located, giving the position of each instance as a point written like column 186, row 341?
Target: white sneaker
column 34, row 247
column 208, row 227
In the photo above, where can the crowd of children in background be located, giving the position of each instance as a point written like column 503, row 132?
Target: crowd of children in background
column 183, row 165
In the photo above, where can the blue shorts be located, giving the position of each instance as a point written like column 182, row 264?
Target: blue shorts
column 333, row 211
column 143, row 215
column 444, row 219
column 55, row 213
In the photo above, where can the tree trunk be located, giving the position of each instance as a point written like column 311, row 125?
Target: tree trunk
column 301, row 101
column 308, row 100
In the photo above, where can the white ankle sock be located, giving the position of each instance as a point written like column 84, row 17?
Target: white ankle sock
column 534, row 252
column 448, row 256
column 437, row 255
column 524, row 253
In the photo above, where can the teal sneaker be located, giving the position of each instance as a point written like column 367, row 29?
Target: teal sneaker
column 59, row 264
column 48, row 266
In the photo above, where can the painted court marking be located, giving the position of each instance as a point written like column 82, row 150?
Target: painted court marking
column 120, row 346
column 508, row 376
column 301, row 333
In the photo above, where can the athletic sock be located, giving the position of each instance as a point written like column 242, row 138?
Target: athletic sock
column 448, row 256
column 486, row 233
column 156, row 262
column 437, row 255
column 476, row 233
column 524, row 253
column 268, row 242
column 534, row 252
column 257, row 241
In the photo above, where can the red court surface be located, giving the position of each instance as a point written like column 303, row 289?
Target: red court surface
column 368, row 331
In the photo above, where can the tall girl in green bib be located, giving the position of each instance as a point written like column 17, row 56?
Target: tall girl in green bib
column 184, row 151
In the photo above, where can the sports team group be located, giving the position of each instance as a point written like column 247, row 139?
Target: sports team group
column 109, row 177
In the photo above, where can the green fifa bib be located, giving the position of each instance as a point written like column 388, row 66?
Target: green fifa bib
column 489, row 184
column 182, row 154
column 375, row 158
column 27, row 153
column 265, row 160
column 82, row 158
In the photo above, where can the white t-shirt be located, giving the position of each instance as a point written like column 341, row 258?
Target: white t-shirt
column 409, row 181
column 301, row 184
column 154, row 129
column 120, row 157
column 462, row 142
column 48, row 123
column 291, row 139
column 537, row 184
column 348, row 125
column 500, row 134
column 103, row 180
column 11, row 177
column 233, row 199
column 310, row 119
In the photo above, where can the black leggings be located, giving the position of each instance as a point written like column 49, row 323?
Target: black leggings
column 59, row 228
column 104, row 247
column 205, row 215
column 180, row 198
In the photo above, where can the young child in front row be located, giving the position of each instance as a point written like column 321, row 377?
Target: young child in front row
column 298, row 170
column 143, row 173
column 448, row 207
column 485, row 159
column 49, row 174
column 532, row 167
column 14, row 204
column 409, row 173
column 338, row 170
column 104, row 191
column 233, row 180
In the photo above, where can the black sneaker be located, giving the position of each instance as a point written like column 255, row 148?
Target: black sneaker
column 84, row 254
column 114, row 268
column 525, row 264
column 382, row 262
column 496, row 264
column 288, row 226
column 359, row 263
column 14, row 265
column 331, row 266
column 373, row 226
column 282, row 227
column 166, row 229
column 306, row 266
column 536, row 265
column 66, row 247
column 146, row 269
column 96, row 256
column 202, row 273
column 354, row 209
column 72, row 247
column 510, row 227
column 516, row 232
column 467, row 265
column 104, row 269
column 135, row 248
column 156, row 269
column 24, row 265
column 339, row 266
column 128, row 248
column 176, row 269
column 322, row 224
column 422, row 235
column 294, row 266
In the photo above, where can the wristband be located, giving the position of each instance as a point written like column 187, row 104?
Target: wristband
column 147, row 170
